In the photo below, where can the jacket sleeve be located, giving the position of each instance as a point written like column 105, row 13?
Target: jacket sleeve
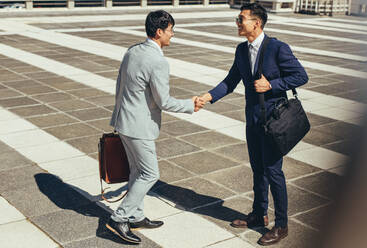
column 292, row 73
column 159, row 84
column 229, row 83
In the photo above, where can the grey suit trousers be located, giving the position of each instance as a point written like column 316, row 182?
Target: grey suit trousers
column 144, row 173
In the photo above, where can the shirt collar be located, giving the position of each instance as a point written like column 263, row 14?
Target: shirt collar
column 149, row 40
column 257, row 42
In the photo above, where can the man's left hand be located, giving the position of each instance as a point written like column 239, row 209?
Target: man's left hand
column 262, row 85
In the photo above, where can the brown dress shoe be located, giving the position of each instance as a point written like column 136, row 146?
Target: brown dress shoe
column 273, row 236
column 252, row 220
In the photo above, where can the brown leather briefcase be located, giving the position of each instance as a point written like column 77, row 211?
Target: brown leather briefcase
column 113, row 162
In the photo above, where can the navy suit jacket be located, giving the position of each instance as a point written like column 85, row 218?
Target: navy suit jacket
column 280, row 67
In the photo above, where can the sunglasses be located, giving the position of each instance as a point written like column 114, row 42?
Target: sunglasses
column 241, row 20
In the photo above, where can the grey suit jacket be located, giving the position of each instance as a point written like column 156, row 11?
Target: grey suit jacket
column 142, row 92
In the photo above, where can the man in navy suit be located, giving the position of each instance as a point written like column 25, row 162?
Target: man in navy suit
column 281, row 72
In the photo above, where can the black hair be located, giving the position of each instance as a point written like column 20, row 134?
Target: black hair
column 258, row 11
column 157, row 19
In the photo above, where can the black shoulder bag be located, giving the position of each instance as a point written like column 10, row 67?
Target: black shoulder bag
column 288, row 123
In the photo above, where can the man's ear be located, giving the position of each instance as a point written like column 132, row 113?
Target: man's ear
column 158, row 33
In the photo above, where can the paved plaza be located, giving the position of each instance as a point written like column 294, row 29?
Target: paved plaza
column 57, row 87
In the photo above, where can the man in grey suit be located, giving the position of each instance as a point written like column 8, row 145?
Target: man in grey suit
column 142, row 92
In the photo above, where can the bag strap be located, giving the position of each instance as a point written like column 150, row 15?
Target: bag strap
column 258, row 76
column 105, row 198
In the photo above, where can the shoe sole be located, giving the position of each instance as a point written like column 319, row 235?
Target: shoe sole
column 272, row 243
column 115, row 232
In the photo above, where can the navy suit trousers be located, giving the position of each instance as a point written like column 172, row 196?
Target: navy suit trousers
column 266, row 163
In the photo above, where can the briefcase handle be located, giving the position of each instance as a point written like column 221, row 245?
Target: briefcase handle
column 105, row 198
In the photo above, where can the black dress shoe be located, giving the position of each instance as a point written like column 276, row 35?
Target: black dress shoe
column 122, row 229
column 146, row 223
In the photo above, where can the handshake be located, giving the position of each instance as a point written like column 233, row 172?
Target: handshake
column 200, row 101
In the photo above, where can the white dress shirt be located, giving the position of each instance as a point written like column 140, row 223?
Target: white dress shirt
column 254, row 48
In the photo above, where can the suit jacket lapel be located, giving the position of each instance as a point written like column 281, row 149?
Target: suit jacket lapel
column 246, row 62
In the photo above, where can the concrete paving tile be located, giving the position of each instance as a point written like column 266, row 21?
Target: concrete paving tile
column 318, row 138
column 17, row 101
column 103, row 124
column 33, row 110
column 27, row 235
column 167, row 118
column 181, row 127
column 51, row 120
column 170, row 173
column 238, row 179
column 11, row 159
column 177, row 92
column 173, row 147
column 316, row 120
column 341, row 129
column 72, row 168
column 298, row 236
column 209, row 140
column 232, row 243
column 320, row 157
column 324, row 183
column 69, row 105
column 293, row 168
column 19, row 84
column 46, row 194
column 53, row 97
column 193, row 233
column 222, row 107
column 43, row 74
column 91, row 114
column 78, row 223
column 9, row 213
column 72, row 131
column 18, row 178
column 36, row 90
column 345, row 147
column 15, row 125
column 237, row 152
column 163, row 135
column 8, row 93
column 7, row 76
column 317, row 218
column 27, row 138
column 4, row 148
column 103, row 100
column 66, row 85
column 87, row 93
column 193, row 192
column 237, row 115
column 203, row 162
column 50, row 152
column 86, row 144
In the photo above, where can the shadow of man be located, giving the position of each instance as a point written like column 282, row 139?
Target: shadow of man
column 205, row 205
column 67, row 197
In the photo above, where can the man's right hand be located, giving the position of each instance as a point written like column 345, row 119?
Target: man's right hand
column 198, row 102
column 207, row 97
